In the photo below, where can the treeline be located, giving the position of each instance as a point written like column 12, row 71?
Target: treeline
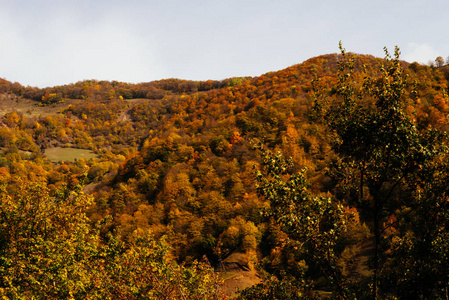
column 106, row 90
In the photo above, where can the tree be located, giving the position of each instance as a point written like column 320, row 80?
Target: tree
column 274, row 289
column 46, row 245
column 439, row 61
column 419, row 262
column 314, row 224
column 49, row 250
column 144, row 269
column 383, row 153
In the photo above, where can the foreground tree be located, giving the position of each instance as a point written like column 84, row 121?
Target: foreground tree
column 49, row 250
column 46, row 243
column 314, row 227
column 384, row 155
column 418, row 264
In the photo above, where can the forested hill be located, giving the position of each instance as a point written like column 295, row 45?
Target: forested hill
column 174, row 164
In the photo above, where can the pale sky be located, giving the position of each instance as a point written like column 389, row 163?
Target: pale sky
column 55, row 42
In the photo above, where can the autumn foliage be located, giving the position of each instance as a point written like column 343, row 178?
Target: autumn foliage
column 172, row 192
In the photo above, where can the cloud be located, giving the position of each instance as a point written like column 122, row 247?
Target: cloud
column 419, row 52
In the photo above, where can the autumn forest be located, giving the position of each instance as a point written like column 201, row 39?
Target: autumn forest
column 325, row 180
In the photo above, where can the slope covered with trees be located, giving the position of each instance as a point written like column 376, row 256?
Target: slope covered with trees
column 351, row 153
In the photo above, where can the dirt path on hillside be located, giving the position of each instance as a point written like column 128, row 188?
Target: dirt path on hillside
column 238, row 273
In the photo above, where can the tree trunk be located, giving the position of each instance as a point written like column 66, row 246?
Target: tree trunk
column 377, row 234
column 361, row 182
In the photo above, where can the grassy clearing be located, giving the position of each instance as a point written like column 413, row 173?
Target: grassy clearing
column 68, row 154
column 30, row 108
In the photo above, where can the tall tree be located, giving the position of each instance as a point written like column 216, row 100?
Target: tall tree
column 314, row 224
column 382, row 150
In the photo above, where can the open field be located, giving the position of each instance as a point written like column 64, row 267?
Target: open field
column 30, row 108
column 68, row 154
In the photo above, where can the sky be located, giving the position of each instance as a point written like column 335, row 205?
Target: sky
column 56, row 42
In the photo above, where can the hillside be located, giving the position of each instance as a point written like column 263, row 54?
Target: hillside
column 178, row 158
